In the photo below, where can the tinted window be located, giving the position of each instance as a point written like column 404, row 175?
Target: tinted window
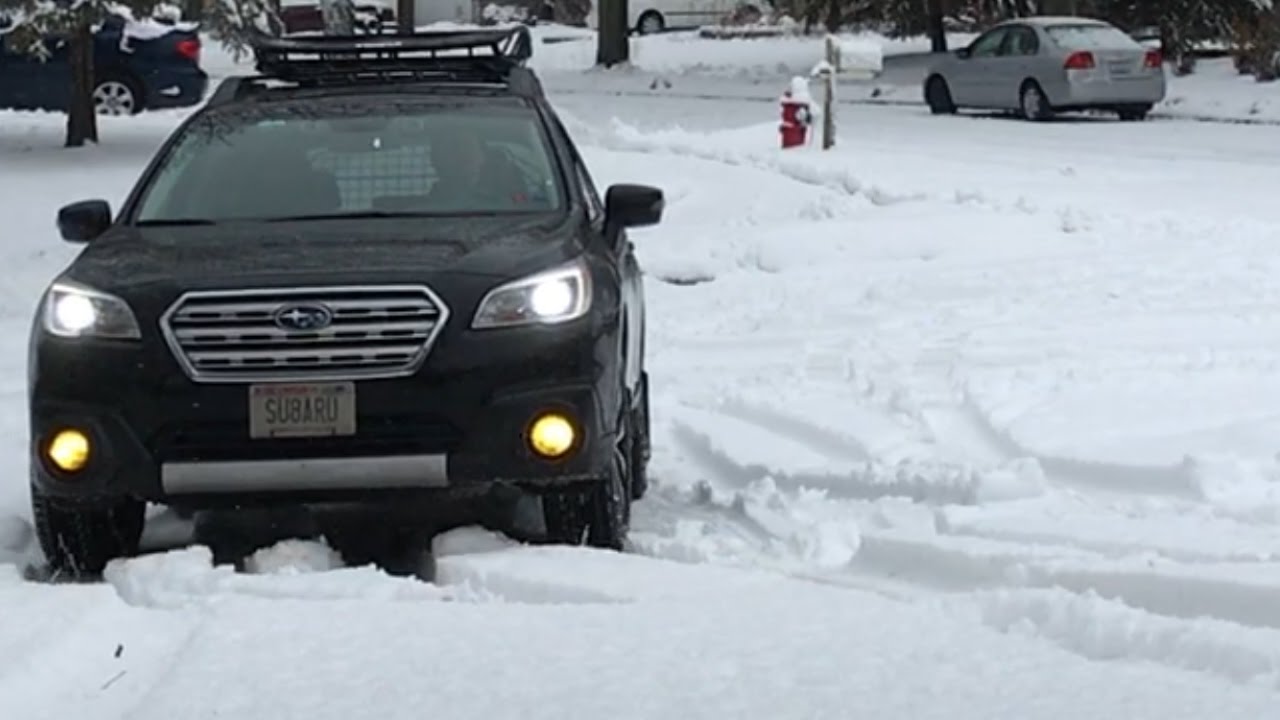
column 1022, row 41
column 987, row 45
column 300, row 162
column 1090, row 37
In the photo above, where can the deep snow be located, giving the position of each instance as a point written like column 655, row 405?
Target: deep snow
column 968, row 418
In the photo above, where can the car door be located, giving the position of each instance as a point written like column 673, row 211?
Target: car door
column 19, row 77
column 29, row 82
column 9, row 97
column 1012, row 65
column 971, row 84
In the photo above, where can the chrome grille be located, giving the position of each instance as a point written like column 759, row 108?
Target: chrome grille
column 366, row 332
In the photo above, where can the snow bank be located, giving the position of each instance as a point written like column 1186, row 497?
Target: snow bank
column 687, row 54
column 1099, row 629
column 185, row 577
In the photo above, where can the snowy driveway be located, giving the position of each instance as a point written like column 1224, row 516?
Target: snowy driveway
column 972, row 418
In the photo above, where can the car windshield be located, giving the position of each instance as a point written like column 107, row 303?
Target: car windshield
column 1090, row 37
column 323, row 161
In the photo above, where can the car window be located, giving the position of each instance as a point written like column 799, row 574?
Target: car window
column 321, row 161
column 595, row 209
column 1021, row 41
column 1090, row 37
column 987, row 45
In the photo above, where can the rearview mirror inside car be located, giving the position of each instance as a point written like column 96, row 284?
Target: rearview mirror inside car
column 84, row 221
column 633, row 205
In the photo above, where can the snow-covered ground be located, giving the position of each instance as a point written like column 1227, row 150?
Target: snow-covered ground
column 969, row 418
column 683, row 64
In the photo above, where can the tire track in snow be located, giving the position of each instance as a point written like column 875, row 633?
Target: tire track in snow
column 1103, row 630
column 1110, row 478
column 949, row 562
column 921, row 484
column 994, row 590
column 838, row 445
column 1169, row 589
column 103, row 661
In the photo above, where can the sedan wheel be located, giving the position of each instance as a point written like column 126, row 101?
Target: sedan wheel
column 651, row 23
column 1034, row 104
column 113, row 97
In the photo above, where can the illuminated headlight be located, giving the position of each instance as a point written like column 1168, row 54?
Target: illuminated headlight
column 549, row 297
column 72, row 310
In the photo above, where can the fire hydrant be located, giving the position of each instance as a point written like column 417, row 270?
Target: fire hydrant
column 797, row 115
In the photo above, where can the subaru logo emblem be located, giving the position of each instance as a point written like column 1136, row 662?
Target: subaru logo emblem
column 303, row 317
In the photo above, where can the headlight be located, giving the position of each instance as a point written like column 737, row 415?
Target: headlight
column 549, row 297
column 72, row 310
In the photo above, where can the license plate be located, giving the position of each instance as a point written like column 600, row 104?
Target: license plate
column 1121, row 68
column 302, row 410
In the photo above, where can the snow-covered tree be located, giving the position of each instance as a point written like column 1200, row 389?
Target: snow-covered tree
column 235, row 23
column 1255, row 33
column 339, row 17
column 40, row 26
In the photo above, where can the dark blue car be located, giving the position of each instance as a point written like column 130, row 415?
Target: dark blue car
column 132, row 72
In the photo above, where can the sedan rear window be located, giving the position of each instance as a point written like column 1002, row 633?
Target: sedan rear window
column 1090, row 37
column 329, row 161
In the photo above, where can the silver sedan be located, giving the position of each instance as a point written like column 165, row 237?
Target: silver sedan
column 1043, row 65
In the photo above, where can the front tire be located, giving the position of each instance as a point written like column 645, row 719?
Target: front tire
column 651, row 23
column 1134, row 114
column 641, row 444
column 598, row 515
column 938, row 95
column 79, row 538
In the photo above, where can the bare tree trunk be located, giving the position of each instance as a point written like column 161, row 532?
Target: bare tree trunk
column 613, row 44
column 937, row 26
column 834, row 16
column 405, row 11
column 82, row 121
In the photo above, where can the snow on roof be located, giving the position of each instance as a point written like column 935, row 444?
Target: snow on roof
column 1058, row 20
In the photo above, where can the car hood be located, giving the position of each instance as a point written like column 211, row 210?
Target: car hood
column 328, row 252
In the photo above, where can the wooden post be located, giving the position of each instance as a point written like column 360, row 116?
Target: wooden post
column 829, row 94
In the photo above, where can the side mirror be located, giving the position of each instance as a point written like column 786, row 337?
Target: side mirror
column 633, row 205
column 83, row 221
column 963, row 53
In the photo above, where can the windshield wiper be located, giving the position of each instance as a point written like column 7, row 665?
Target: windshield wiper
column 174, row 222
column 358, row 215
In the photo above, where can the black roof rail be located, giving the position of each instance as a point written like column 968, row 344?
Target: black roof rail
column 484, row 56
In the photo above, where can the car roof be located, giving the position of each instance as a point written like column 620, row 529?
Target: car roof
column 1052, row 20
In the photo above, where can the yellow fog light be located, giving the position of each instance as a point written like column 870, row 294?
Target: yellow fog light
column 69, row 450
column 552, row 435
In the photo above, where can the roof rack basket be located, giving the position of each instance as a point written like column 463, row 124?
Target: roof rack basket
column 454, row 55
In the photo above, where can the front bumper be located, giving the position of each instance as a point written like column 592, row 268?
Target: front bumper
column 455, row 426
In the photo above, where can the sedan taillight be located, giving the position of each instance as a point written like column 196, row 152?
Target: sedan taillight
column 1082, row 60
column 189, row 49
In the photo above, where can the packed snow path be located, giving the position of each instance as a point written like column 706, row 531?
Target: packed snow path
column 970, row 414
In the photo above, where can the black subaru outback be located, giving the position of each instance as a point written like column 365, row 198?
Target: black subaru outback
column 377, row 271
